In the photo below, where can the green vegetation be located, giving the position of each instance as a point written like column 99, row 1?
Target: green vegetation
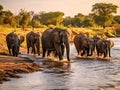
column 98, row 20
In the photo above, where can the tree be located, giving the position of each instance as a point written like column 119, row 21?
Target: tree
column 1, row 7
column 8, row 17
column 88, row 22
column 103, row 13
column 25, row 18
column 67, row 21
column 76, row 21
column 117, row 19
column 1, row 16
column 54, row 18
column 35, row 22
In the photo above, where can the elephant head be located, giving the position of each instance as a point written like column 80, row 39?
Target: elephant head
column 60, row 36
column 108, row 45
column 64, row 41
column 91, row 46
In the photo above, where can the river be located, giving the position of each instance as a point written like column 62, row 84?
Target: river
column 79, row 75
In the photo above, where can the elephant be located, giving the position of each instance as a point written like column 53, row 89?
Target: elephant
column 84, row 44
column 33, row 41
column 103, row 46
column 13, row 43
column 55, row 39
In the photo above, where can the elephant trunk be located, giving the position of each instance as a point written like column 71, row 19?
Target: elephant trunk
column 38, row 48
column 67, row 48
column 90, row 50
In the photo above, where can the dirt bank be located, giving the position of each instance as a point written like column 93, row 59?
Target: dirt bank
column 10, row 67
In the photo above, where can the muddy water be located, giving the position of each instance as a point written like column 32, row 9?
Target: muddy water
column 80, row 75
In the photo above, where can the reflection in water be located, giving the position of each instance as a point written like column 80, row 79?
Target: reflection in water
column 82, row 75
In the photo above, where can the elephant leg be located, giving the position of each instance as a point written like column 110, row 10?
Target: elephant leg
column 87, row 51
column 104, row 54
column 27, row 50
column 44, row 51
column 33, row 49
column 55, row 53
column 62, row 49
column 83, row 52
column 48, row 52
column 78, row 51
column 9, row 51
column 97, row 53
column 109, row 53
column 13, row 52
column 59, row 52
column 38, row 50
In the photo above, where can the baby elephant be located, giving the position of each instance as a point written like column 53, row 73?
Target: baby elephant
column 104, row 47
column 33, row 41
column 13, row 43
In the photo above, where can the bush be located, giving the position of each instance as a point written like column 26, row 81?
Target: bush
column 117, row 29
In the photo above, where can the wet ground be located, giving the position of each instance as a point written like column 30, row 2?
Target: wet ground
column 80, row 75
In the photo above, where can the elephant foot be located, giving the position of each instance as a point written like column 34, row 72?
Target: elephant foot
column 82, row 54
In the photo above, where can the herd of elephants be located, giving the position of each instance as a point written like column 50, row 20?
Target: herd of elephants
column 55, row 40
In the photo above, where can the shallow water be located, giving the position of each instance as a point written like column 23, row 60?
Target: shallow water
column 80, row 75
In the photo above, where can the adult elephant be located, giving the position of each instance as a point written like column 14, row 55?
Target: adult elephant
column 104, row 47
column 54, row 40
column 13, row 43
column 33, row 41
column 84, row 44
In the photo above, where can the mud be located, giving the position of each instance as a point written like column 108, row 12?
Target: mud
column 11, row 67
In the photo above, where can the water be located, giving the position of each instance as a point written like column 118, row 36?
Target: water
column 80, row 75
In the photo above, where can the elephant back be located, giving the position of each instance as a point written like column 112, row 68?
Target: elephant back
column 32, row 37
column 78, row 40
column 46, row 38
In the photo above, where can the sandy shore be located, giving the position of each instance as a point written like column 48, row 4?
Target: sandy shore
column 10, row 67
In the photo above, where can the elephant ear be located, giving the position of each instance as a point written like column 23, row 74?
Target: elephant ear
column 21, row 39
column 111, row 43
column 56, row 36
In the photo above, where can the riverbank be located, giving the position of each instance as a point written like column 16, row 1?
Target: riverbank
column 11, row 67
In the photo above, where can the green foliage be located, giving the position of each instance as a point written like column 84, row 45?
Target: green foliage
column 88, row 22
column 1, row 7
column 117, row 29
column 117, row 19
column 101, row 16
column 54, row 18
column 24, row 18
column 76, row 21
column 103, row 13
